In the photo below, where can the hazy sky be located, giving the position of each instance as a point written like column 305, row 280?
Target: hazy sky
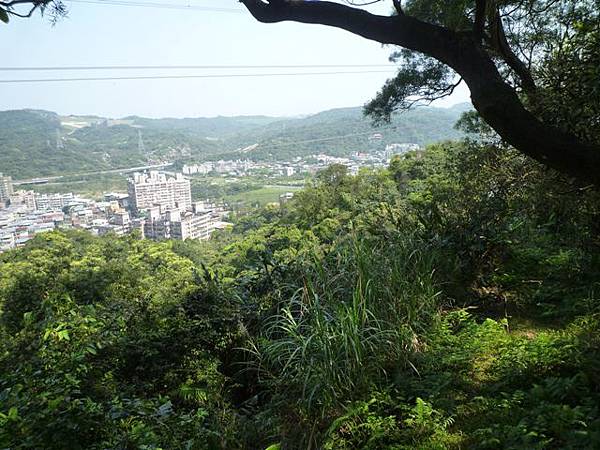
column 103, row 35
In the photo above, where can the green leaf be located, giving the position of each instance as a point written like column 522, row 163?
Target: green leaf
column 91, row 349
column 64, row 334
column 53, row 404
column 13, row 413
column 3, row 16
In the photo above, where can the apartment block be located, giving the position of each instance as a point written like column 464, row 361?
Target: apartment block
column 6, row 188
column 53, row 202
column 179, row 224
column 24, row 198
column 147, row 190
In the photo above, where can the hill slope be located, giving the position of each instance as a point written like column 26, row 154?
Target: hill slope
column 40, row 143
column 339, row 131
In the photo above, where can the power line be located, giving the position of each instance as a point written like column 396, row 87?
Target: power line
column 172, row 77
column 331, row 138
column 144, row 4
column 174, row 67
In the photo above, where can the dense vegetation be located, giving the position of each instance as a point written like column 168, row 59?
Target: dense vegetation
column 28, row 146
column 450, row 301
column 40, row 143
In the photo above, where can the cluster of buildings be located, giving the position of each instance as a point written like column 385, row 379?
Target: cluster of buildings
column 238, row 168
column 27, row 214
column 197, row 222
column 20, row 225
column 303, row 166
column 157, row 205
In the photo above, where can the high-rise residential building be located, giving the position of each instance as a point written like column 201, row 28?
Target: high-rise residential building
column 147, row 190
column 6, row 187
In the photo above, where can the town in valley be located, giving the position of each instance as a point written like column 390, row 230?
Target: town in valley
column 159, row 204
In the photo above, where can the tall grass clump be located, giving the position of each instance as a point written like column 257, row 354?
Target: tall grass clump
column 353, row 322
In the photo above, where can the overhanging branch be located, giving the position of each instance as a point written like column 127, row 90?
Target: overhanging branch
column 377, row 28
column 480, row 16
column 400, row 29
column 500, row 42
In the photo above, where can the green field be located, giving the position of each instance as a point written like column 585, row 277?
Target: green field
column 261, row 196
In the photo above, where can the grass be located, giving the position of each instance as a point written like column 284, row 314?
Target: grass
column 342, row 335
column 261, row 196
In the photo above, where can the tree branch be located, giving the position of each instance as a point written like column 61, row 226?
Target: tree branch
column 480, row 15
column 500, row 43
column 401, row 30
column 24, row 16
column 357, row 21
column 36, row 3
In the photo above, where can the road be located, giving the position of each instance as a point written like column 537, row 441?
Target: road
column 45, row 180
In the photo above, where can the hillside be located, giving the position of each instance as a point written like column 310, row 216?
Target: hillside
column 28, row 146
column 41, row 143
column 287, row 138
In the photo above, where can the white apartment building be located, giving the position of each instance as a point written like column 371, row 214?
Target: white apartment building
column 6, row 188
column 25, row 198
column 193, row 226
column 178, row 224
column 158, row 189
column 53, row 202
column 200, row 169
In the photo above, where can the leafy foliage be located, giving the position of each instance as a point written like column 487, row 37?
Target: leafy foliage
column 450, row 301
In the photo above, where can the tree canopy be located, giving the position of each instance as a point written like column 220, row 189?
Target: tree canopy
column 530, row 65
column 25, row 8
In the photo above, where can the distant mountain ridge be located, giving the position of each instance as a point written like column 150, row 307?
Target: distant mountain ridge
column 42, row 143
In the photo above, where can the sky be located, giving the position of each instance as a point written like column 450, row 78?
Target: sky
column 109, row 35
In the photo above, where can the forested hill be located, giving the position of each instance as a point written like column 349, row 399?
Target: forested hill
column 41, row 143
column 339, row 131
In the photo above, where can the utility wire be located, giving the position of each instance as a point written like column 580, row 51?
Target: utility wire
column 312, row 141
column 144, row 4
column 171, row 77
column 261, row 147
column 174, row 67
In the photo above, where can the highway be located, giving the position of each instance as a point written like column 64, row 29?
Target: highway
column 45, row 180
